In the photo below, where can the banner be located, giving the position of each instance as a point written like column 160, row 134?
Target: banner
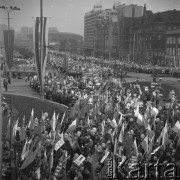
column 40, row 61
column 9, row 46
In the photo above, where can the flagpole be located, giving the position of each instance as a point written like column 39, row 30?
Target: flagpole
column 1, row 124
column 41, row 48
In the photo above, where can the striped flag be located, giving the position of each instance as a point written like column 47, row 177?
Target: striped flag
column 9, row 46
column 30, row 157
column 38, row 173
column 31, row 121
column 53, row 122
column 40, row 61
column 72, row 126
column 121, row 135
column 135, row 147
column 144, row 143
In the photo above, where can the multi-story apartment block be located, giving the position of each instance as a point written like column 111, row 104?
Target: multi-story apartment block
column 172, row 53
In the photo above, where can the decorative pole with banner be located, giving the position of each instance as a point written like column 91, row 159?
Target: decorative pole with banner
column 9, row 48
column 41, row 47
column 9, row 38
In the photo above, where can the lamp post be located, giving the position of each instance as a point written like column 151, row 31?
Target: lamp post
column 9, row 10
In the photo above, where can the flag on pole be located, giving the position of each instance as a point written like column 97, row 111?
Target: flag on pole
column 41, row 61
column 30, row 157
column 15, row 128
column 51, row 160
column 31, row 121
column 135, row 147
column 88, row 121
column 8, row 129
column 72, row 126
column 38, row 173
column 53, row 122
column 121, row 135
column 144, row 143
column 102, row 127
column 165, row 135
column 176, row 127
column 26, row 150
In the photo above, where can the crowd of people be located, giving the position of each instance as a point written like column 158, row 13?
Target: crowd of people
column 107, row 124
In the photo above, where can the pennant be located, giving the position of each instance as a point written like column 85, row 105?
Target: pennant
column 31, row 121
column 24, row 150
column 53, row 122
column 165, row 135
column 30, row 157
column 15, row 128
column 38, row 173
column 120, row 120
column 88, row 121
column 72, row 126
column 45, row 157
column 23, row 121
column 176, row 127
column 140, row 119
column 114, row 123
column 144, row 143
column 102, row 127
column 8, row 129
column 51, row 160
column 121, row 135
column 135, row 148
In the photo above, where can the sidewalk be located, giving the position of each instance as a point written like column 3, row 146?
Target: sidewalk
column 19, row 86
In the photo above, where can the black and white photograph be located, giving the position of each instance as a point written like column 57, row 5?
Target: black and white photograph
column 90, row 89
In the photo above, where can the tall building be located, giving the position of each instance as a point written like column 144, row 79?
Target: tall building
column 172, row 54
column 132, row 10
column 90, row 21
column 106, row 34
column 147, row 35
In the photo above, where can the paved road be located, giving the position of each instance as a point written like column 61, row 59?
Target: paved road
column 19, row 86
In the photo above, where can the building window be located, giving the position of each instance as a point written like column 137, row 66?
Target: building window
column 167, row 51
column 173, row 51
column 170, row 51
column 159, row 37
column 179, row 40
column 173, row 41
column 178, row 51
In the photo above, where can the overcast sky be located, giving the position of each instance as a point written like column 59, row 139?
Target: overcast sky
column 68, row 15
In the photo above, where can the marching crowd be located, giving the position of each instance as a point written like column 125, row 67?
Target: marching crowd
column 107, row 124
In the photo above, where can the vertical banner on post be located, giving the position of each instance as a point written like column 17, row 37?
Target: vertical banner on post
column 9, row 46
column 40, row 61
